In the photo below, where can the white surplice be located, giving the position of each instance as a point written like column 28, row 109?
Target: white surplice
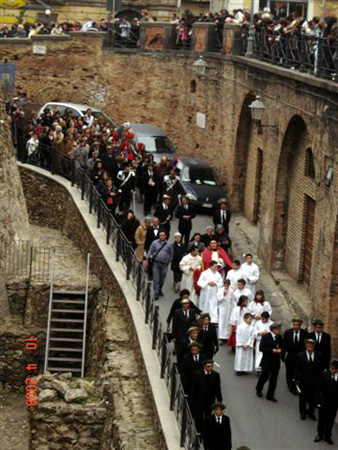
column 209, row 294
column 244, row 359
column 244, row 291
column 233, row 276
column 257, row 308
column 237, row 315
column 187, row 263
column 258, row 329
column 226, row 305
column 251, row 276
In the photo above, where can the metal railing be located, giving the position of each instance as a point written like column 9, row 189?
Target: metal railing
column 316, row 56
column 22, row 259
column 136, row 273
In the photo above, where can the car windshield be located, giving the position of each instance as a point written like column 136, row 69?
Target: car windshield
column 200, row 175
column 157, row 144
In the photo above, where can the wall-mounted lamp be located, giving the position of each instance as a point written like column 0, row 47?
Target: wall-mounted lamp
column 200, row 66
column 257, row 109
column 329, row 176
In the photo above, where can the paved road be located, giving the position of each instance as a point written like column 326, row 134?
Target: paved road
column 256, row 422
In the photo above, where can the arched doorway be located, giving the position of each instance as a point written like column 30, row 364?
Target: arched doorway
column 241, row 154
column 129, row 13
column 295, row 204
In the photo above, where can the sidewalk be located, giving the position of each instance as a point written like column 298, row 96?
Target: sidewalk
column 288, row 299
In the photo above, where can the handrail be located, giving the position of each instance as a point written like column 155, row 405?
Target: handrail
column 85, row 318
column 49, row 310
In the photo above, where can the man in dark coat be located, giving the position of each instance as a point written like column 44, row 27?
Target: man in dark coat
column 208, row 336
column 164, row 211
column 323, row 342
column 152, row 233
column 293, row 343
column 327, row 403
column 149, row 188
column 206, row 390
column 192, row 363
column 271, row 346
column 183, row 319
column 184, row 293
column 307, row 375
column 185, row 213
column 222, row 216
column 217, row 430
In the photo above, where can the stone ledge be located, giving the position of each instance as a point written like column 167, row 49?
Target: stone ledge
column 151, row 362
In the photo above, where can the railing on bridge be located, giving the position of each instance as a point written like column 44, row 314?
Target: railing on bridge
column 136, row 273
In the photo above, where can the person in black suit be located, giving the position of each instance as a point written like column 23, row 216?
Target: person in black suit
column 217, row 430
column 185, row 213
column 208, row 236
column 192, row 363
column 152, row 233
column 184, row 293
column 183, row 319
column 164, row 211
column 307, row 375
column 222, row 216
column 149, row 188
column 323, row 342
column 206, row 390
column 271, row 346
column 208, row 336
column 293, row 343
column 327, row 403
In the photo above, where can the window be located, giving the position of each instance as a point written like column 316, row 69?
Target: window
column 200, row 175
column 193, row 86
column 309, row 164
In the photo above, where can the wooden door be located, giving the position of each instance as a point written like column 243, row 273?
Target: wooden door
column 258, row 187
column 309, row 227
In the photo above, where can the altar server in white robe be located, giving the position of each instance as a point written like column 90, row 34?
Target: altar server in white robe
column 245, row 337
column 188, row 264
column 226, row 305
column 242, row 290
column 235, row 274
column 210, row 283
column 261, row 328
column 258, row 306
column 250, row 273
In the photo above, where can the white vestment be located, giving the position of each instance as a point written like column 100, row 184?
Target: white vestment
column 233, row 276
column 209, row 294
column 244, row 359
column 251, row 276
column 258, row 329
column 225, row 306
column 244, row 291
column 237, row 315
column 257, row 308
column 187, row 263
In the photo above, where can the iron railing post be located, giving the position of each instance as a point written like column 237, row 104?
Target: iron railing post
column 72, row 173
column 99, row 206
column 302, row 52
column 128, row 260
column 184, row 420
column 118, row 243
column 82, row 184
column 173, row 383
column 163, row 356
column 91, row 199
column 148, row 300
column 287, row 51
column 30, row 261
column 138, row 283
column 155, row 326
column 108, row 230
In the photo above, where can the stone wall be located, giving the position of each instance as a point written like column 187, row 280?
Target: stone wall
column 113, row 351
column 17, row 297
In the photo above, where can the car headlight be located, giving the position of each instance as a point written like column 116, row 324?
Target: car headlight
column 192, row 197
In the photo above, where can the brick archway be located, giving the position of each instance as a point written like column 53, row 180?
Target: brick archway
column 241, row 154
column 294, row 138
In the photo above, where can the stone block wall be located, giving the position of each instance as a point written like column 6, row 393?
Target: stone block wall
column 17, row 297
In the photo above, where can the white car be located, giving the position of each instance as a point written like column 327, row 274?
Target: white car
column 77, row 110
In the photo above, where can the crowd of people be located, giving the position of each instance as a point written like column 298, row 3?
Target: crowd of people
column 219, row 303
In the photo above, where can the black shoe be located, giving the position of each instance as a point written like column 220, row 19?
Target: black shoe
column 329, row 441
column 239, row 374
column 259, row 394
column 303, row 417
column 157, row 297
column 161, row 294
column 318, row 438
column 272, row 399
column 312, row 417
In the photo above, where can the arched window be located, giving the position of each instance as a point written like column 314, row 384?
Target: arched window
column 193, row 86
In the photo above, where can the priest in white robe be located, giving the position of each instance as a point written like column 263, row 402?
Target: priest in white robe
column 250, row 273
column 261, row 328
column 226, row 305
column 235, row 274
column 188, row 264
column 210, row 283
column 245, row 336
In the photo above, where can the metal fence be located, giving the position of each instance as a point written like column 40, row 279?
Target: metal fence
column 23, row 260
column 136, row 273
column 316, row 56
